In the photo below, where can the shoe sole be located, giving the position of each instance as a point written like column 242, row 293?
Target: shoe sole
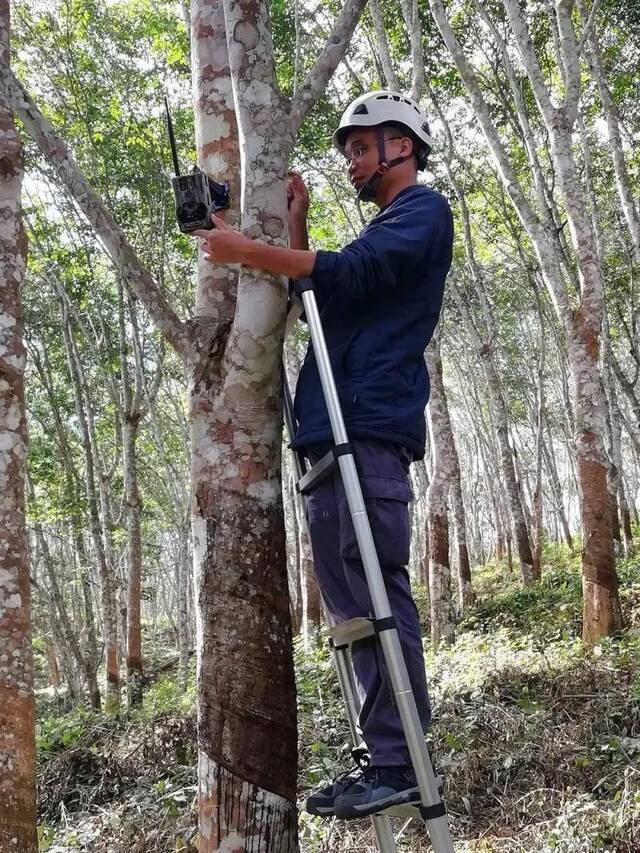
column 365, row 809
column 320, row 811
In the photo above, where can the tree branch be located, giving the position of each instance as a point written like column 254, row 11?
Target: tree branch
column 545, row 251
column 122, row 254
column 390, row 76
column 332, row 54
column 414, row 30
column 570, row 57
column 588, row 26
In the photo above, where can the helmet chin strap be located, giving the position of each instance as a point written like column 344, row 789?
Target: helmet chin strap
column 369, row 190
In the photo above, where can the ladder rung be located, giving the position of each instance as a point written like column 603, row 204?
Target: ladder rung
column 353, row 629
column 320, row 471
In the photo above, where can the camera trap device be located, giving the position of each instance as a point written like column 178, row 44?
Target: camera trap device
column 197, row 195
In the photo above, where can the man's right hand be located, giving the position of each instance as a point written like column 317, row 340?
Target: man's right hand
column 298, row 204
column 297, row 197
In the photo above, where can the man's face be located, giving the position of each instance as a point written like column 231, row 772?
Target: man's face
column 361, row 151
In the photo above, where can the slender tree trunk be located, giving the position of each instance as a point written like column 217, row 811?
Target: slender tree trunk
column 537, row 498
column 130, row 417
column 311, row 600
column 182, row 586
column 556, row 488
column 311, row 610
column 52, row 663
column 112, row 699
column 450, row 461
column 17, row 739
column 91, row 650
column 507, row 464
column 294, row 561
column 134, row 580
column 442, row 620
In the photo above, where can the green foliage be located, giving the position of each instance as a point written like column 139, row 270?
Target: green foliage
column 56, row 734
column 167, row 696
column 554, row 604
column 46, row 836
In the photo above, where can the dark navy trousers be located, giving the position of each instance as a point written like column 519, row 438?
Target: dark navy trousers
column 383, row 471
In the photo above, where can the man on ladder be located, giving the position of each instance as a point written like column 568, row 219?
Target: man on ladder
column 379, row 301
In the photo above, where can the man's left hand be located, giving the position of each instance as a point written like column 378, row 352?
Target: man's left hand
column 224, row 244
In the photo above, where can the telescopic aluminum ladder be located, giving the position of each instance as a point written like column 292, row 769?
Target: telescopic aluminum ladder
column 430, row 809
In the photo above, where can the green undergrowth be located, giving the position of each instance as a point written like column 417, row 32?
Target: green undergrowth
column 537, row 738
column 123, row 781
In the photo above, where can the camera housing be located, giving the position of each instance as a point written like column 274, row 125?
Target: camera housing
column 197, row 197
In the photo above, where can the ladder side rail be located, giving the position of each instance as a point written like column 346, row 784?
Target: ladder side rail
column 342, row 664
column 425, row 777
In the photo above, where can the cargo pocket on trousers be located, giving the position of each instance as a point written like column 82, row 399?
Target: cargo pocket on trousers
column 387, row 503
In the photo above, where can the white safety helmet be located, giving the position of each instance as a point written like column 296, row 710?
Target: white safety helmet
column 378, row 108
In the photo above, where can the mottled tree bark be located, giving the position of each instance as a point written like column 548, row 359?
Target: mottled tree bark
column 17, row 738
column 246, row 705
column 182, row 591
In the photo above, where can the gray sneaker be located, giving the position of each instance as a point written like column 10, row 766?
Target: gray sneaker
column 376, row 789
column 321, row 802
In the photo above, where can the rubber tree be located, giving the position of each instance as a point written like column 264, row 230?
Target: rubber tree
column 440, row 598
column 581, row 324
column 232, row 349
column 17, row 734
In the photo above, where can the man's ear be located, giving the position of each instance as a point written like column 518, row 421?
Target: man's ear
column 406, row 146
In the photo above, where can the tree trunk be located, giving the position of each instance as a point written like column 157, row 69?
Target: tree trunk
column 451, row 462
column 294, row 557
column 311, row 600
column 310, row 591
column 539, row 425
column 130, row 421
column 182, row 586
column 246, row 691
column 134, row 543
column 17, row 739
column 507, row 464
column 247, row 730
column 52, row 663
column 91, row 650
column 442, row 621
column 112, row 699
column 556, row 488
column 601, row 610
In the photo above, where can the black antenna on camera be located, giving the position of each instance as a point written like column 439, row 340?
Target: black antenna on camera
column 172, row 139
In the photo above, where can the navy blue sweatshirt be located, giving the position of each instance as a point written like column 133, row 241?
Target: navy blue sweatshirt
column 379, row 301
